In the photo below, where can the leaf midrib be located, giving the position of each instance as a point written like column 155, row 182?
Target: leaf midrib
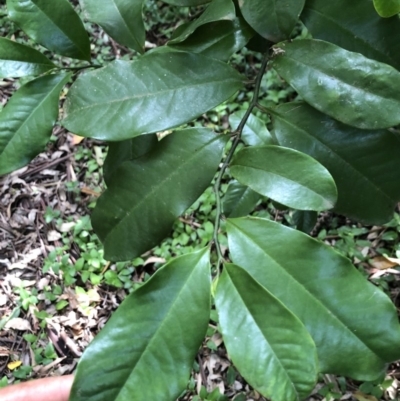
column 350, row 33
column 26, row 121
column 286, row 178
column 32, row 63
column 65, row 34
column 148, row 95
column 218, row 16
column 156, row 188
column 126, row 25
column 260, row 330
column 330, row 313
column 166, row 316
column 351, row 167
column 341, row 80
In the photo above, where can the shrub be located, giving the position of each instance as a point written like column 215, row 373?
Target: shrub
column 289, row 307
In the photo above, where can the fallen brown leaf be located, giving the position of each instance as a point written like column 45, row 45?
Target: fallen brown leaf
column 382, row 263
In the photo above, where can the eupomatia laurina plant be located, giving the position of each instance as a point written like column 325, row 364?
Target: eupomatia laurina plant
column 289, row 307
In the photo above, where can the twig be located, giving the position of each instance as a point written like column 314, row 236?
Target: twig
column 236, row 141
column 43, row 166
column 8, row 228
column 189, row 222
column 202, row 373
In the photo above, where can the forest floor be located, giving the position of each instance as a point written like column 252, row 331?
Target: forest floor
column 57, row 291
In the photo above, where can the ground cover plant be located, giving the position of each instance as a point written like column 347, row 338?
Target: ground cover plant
column 288, row 306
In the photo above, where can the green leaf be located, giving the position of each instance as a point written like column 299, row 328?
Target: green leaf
column 17, row 60
column 364, row 164
column 220, row 39
column 273, row 20
column 3, row 382
column 61, row 304
column 387, row 8
column 239, row 200
column 255, row 131
column 186, row 3
column 359, row 29
column 286, row 176
column 59, row 29
column 146, row 195
column 216, row 11
column 27, row 120
column 305, row 220
column 270, row 347
column 131, row 149
column 147, row 348
column 347, row 86
column 154, row 93
column 353, row 323
column 121, row 19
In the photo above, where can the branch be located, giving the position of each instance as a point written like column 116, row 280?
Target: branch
column 238, row 131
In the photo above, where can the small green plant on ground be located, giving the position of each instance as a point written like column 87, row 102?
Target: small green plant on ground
column 289, row 307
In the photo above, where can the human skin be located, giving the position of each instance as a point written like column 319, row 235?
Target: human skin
column 48, row 389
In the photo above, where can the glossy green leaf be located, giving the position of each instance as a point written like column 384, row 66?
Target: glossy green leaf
column 255, row 131
column 273, row 20
column 131, row 149
column 17, row 60
column 359, row 29
column 217, row 10
column 186, row 3
column 27, row 120
column 239, row 200
column 220, row 39
column 286, row 176
column 154, row 93
column 121, row 19
column 353, row 323
column 269, row 346
column 347, row 86
column 387, row 8
column 146, row 195
column 147, row 348
column 305, row 220
column 57, row 28
column 364, row 164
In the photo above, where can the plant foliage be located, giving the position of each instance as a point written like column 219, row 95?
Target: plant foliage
column 289, row 306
